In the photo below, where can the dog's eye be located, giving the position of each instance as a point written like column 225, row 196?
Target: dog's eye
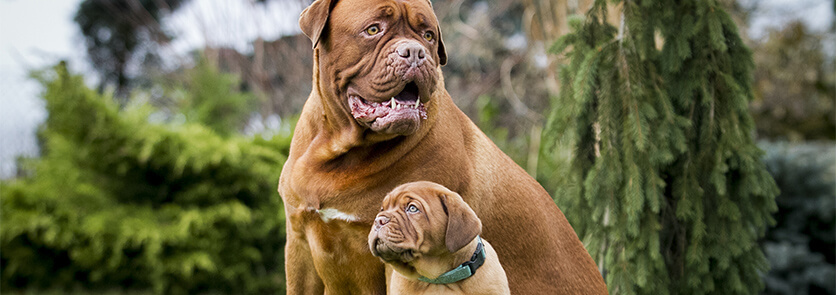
column 373, row 29
column 412, row 209
column 429, row 36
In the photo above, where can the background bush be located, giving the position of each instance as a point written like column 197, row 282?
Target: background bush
column 116, row 202
column 801, row 247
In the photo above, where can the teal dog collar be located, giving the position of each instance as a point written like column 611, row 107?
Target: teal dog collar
column 463, row 271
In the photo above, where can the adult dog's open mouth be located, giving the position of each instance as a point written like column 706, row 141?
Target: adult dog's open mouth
column 399, row 115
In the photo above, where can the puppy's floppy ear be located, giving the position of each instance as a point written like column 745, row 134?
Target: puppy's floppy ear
column 463, row 224
column 314, row 18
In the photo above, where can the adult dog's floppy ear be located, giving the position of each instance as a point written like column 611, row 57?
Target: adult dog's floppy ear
column 314, row 18
column 443, row 55
column 463, row 224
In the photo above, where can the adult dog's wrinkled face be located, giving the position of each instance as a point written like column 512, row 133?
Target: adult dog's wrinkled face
column 380, row 58
column 421, row 218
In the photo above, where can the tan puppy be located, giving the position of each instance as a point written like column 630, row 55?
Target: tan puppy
column 379, row 116
column 429, row 235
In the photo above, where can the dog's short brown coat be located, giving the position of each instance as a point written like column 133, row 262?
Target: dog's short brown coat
column 339, row 164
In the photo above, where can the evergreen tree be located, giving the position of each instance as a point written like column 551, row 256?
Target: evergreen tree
column 116, row 202
column 662, row 181
column 214, row 99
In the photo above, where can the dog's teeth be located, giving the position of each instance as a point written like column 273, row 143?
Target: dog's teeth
column 392, row 102
column 417, row 102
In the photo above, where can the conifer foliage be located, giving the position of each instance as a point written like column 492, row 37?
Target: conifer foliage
column 215, row 101
column 664, row 183
column 118, row 203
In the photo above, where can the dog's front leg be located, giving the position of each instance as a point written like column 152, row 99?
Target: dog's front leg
column 300, row 274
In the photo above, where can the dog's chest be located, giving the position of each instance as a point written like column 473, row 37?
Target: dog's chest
column 334, row 215
column 318, row 208
column 337, row 239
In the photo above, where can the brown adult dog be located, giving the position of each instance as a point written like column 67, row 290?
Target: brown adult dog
column 362, row 133
column 426, row 230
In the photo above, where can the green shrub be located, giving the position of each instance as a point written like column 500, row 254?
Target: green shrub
column 801, row 247
column 116, row 202
column 213, row 99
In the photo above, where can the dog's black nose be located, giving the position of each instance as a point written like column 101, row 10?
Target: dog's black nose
column 412, row 52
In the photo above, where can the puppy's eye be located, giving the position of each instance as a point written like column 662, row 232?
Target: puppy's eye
column 373, row 29
column 381, row 209
column 429, row 36
column 412, row 209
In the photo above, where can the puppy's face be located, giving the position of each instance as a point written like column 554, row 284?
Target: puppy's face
column 421, row 219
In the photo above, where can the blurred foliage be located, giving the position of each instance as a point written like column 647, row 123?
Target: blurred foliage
column 116, row 202
column 794, row 85
column 514, row 146
column 277, row 71
column 498, row 66
column 117, row 32
column 801, row 247
column 212, row 99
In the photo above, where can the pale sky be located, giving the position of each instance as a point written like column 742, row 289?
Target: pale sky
column 33, row 34
column 38, row 33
